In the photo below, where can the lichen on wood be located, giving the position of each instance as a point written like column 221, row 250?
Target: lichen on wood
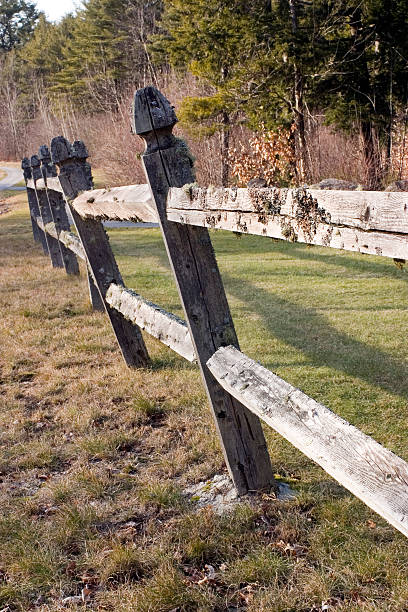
column 265, row 203
column 184, row 153
column 288, row 232
column 308, row 214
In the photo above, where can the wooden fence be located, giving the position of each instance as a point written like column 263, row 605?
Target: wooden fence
column 240, row 391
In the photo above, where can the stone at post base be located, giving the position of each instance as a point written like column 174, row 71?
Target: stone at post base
column 219, row 494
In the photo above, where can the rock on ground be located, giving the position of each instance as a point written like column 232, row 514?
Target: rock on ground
column 332, row 183
column 219, row 494
column 398, row 186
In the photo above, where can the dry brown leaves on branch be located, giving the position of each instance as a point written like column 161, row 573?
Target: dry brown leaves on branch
column 270, row 156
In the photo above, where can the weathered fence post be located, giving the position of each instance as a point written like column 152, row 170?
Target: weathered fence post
column 45, row 213
column 38, row 233
column 168, row 163
column 75, row 176
column 58, row 211
column 94, row 295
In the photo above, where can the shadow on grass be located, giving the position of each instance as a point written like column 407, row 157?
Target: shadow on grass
column 308, row 331
column 359, row 264
column 303, row 328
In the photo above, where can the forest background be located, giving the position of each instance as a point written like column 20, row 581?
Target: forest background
column 292, row 91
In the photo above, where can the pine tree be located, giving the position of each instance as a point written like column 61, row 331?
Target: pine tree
column 106, row 49
column 94, row 58
column 42, row 55
column 366, row 77
column 17, row 21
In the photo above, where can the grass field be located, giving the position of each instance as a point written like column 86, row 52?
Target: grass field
column 94, row 457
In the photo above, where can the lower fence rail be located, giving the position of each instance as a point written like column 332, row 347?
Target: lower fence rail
column 165, row 326
column 373, row 473
column 70, row 240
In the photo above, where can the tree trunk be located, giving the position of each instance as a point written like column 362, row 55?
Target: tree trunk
column 303, row 172
column 372, row 161
column 298, row 111
column 225, row 139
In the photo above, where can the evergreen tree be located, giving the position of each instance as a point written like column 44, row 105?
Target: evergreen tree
column 258, row 57
column 220, row 42
column 42, row 57
column 367, row 77
column 93, row 60
column 17, row 21
column 106, row 49
column 273, row 60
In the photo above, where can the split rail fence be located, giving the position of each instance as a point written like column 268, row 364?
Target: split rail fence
column 241, row 392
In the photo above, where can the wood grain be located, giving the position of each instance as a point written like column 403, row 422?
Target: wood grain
column 52, row 183
column 38, row 234
column 167, row 162
column 280, row 213
column 46, row 215
column 165, row 326
column 371, row 472
column 366, row 210
column 129, row 203
column 58, row 211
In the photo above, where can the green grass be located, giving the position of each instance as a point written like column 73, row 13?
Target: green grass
column 94, row 457
column 6, row 193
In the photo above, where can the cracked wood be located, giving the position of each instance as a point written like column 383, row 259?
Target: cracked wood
column 373, row 473
column 75, row 176
column 129, row 203
column 167, row 163
column 366, row 222
column 165, row 326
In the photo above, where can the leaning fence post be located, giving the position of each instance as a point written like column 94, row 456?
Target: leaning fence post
column 168, row 163
column 75, row 176
column 38, row 233
column 45, row 213
column 94, row 296
column 58, row 211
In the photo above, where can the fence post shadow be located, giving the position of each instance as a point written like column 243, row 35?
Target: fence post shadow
column 293, row 325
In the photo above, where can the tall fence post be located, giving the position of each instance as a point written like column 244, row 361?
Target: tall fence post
column 75, row 176
column 57, row 208
column 38, row 233
column 45, row 213
column 168, row 163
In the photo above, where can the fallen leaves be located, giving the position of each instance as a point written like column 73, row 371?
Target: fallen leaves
column 84, row 597
column 205, row 576
column 291, row 550
column 208, row 576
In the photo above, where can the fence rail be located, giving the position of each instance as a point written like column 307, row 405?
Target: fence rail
column 240, row 391
column 68, row 239
column 368, row 222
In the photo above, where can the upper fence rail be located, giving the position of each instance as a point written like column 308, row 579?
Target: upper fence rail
column 368, row 222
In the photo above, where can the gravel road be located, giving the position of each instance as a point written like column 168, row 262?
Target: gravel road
column 14, row 175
